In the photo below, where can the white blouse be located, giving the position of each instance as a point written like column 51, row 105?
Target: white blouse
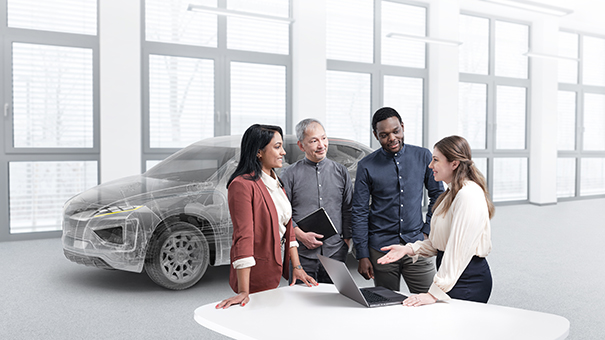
column 461, row 232
column 284, row 213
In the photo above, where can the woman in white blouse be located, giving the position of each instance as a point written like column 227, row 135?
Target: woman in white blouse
column 460, row 234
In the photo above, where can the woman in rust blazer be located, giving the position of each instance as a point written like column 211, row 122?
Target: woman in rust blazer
column 263, row 240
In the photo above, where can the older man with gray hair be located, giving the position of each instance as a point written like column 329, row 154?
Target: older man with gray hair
column 313, row 182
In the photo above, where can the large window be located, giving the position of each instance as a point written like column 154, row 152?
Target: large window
column 493, row 101
column 50, row 146
column 581, row 116
column 209, row 75
column 369, row 69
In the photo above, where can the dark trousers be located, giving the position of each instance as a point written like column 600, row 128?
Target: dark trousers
column 475, row 283
column 418, row 276
column 316, row 270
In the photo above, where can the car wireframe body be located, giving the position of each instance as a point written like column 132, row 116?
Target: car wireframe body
column 173, row 220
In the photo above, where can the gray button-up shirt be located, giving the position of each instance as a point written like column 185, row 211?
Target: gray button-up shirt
column 326, row 184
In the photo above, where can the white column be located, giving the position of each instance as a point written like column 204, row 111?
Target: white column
column 120, row 88
column 543, row 113
column 443, row 71
column 309, row 60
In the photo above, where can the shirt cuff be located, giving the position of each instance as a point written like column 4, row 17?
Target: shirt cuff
column 415, row 248
column 245, row 262
column 294, row 244
column 438, row 293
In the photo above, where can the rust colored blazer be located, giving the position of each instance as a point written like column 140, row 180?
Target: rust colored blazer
column 256, row 234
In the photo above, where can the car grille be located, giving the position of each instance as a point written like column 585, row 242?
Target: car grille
column 90, row 261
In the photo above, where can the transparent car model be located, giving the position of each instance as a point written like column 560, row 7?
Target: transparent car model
column 173, row 220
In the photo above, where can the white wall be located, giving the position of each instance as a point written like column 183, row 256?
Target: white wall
column 309, row 60
column 120, row 88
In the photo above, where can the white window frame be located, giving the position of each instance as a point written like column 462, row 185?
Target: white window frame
column 580, row 89
column 492, row 81
column 8, row 152
column 222, row 57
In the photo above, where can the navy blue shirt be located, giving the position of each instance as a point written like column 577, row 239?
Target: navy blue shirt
column 387, row 201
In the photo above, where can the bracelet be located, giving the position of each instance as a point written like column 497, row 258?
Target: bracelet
column 298, row 267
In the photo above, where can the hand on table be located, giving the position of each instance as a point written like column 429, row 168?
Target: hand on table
column 419, row 300
column 301, row 274
column 242, row 299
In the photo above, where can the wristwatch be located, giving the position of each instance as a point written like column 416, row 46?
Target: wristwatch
column 298, row 267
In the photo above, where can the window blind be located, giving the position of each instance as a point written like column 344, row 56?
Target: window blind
column 348, row 103
column 181, row 100
column 512, row 41
column 474, row 51
column 472, row 113
column 52, row 96
column 259, row 35
column 510, row 117
column 171, row 22
column 566, row 177
column 258, row 95
column 406, row 95
column 406, row 19
column 510, row 179
column 350, row 30
column 38, row 191
column 566, row 120
column 68, row 16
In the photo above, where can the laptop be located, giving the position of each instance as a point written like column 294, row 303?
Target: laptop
column 344, row 282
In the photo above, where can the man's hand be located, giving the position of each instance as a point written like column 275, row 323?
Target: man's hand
column 310, row 239
column 364, row 268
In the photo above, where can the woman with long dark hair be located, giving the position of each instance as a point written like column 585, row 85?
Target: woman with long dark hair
column 460, row 234
column 263, row 240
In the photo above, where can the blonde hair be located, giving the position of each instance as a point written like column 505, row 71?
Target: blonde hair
column 456, row 148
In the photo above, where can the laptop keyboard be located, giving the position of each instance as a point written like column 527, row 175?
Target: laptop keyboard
column 372, row 297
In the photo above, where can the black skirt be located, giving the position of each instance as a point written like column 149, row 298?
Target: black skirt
column 475, row 283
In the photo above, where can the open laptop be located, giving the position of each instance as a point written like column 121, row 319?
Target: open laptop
column 344, row 282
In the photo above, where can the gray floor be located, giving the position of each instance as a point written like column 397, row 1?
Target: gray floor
column 544, row 258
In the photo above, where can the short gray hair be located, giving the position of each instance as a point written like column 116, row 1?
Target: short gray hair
column 302, row 126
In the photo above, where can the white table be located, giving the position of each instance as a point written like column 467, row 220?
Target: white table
column 320, row 312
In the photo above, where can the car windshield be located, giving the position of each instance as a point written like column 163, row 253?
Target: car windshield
column 195, row 163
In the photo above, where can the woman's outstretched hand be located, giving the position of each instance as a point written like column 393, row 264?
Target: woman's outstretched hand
column 395, row 252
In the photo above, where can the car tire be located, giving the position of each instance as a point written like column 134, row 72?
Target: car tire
column 177, row 256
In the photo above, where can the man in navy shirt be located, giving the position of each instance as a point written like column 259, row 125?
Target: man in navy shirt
column 387, row 205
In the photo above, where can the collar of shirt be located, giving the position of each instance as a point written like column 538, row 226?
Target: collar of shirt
column 398, row 155
column 270, row 182
column 318, row 165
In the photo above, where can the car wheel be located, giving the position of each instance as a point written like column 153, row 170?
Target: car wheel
column 177, row 256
